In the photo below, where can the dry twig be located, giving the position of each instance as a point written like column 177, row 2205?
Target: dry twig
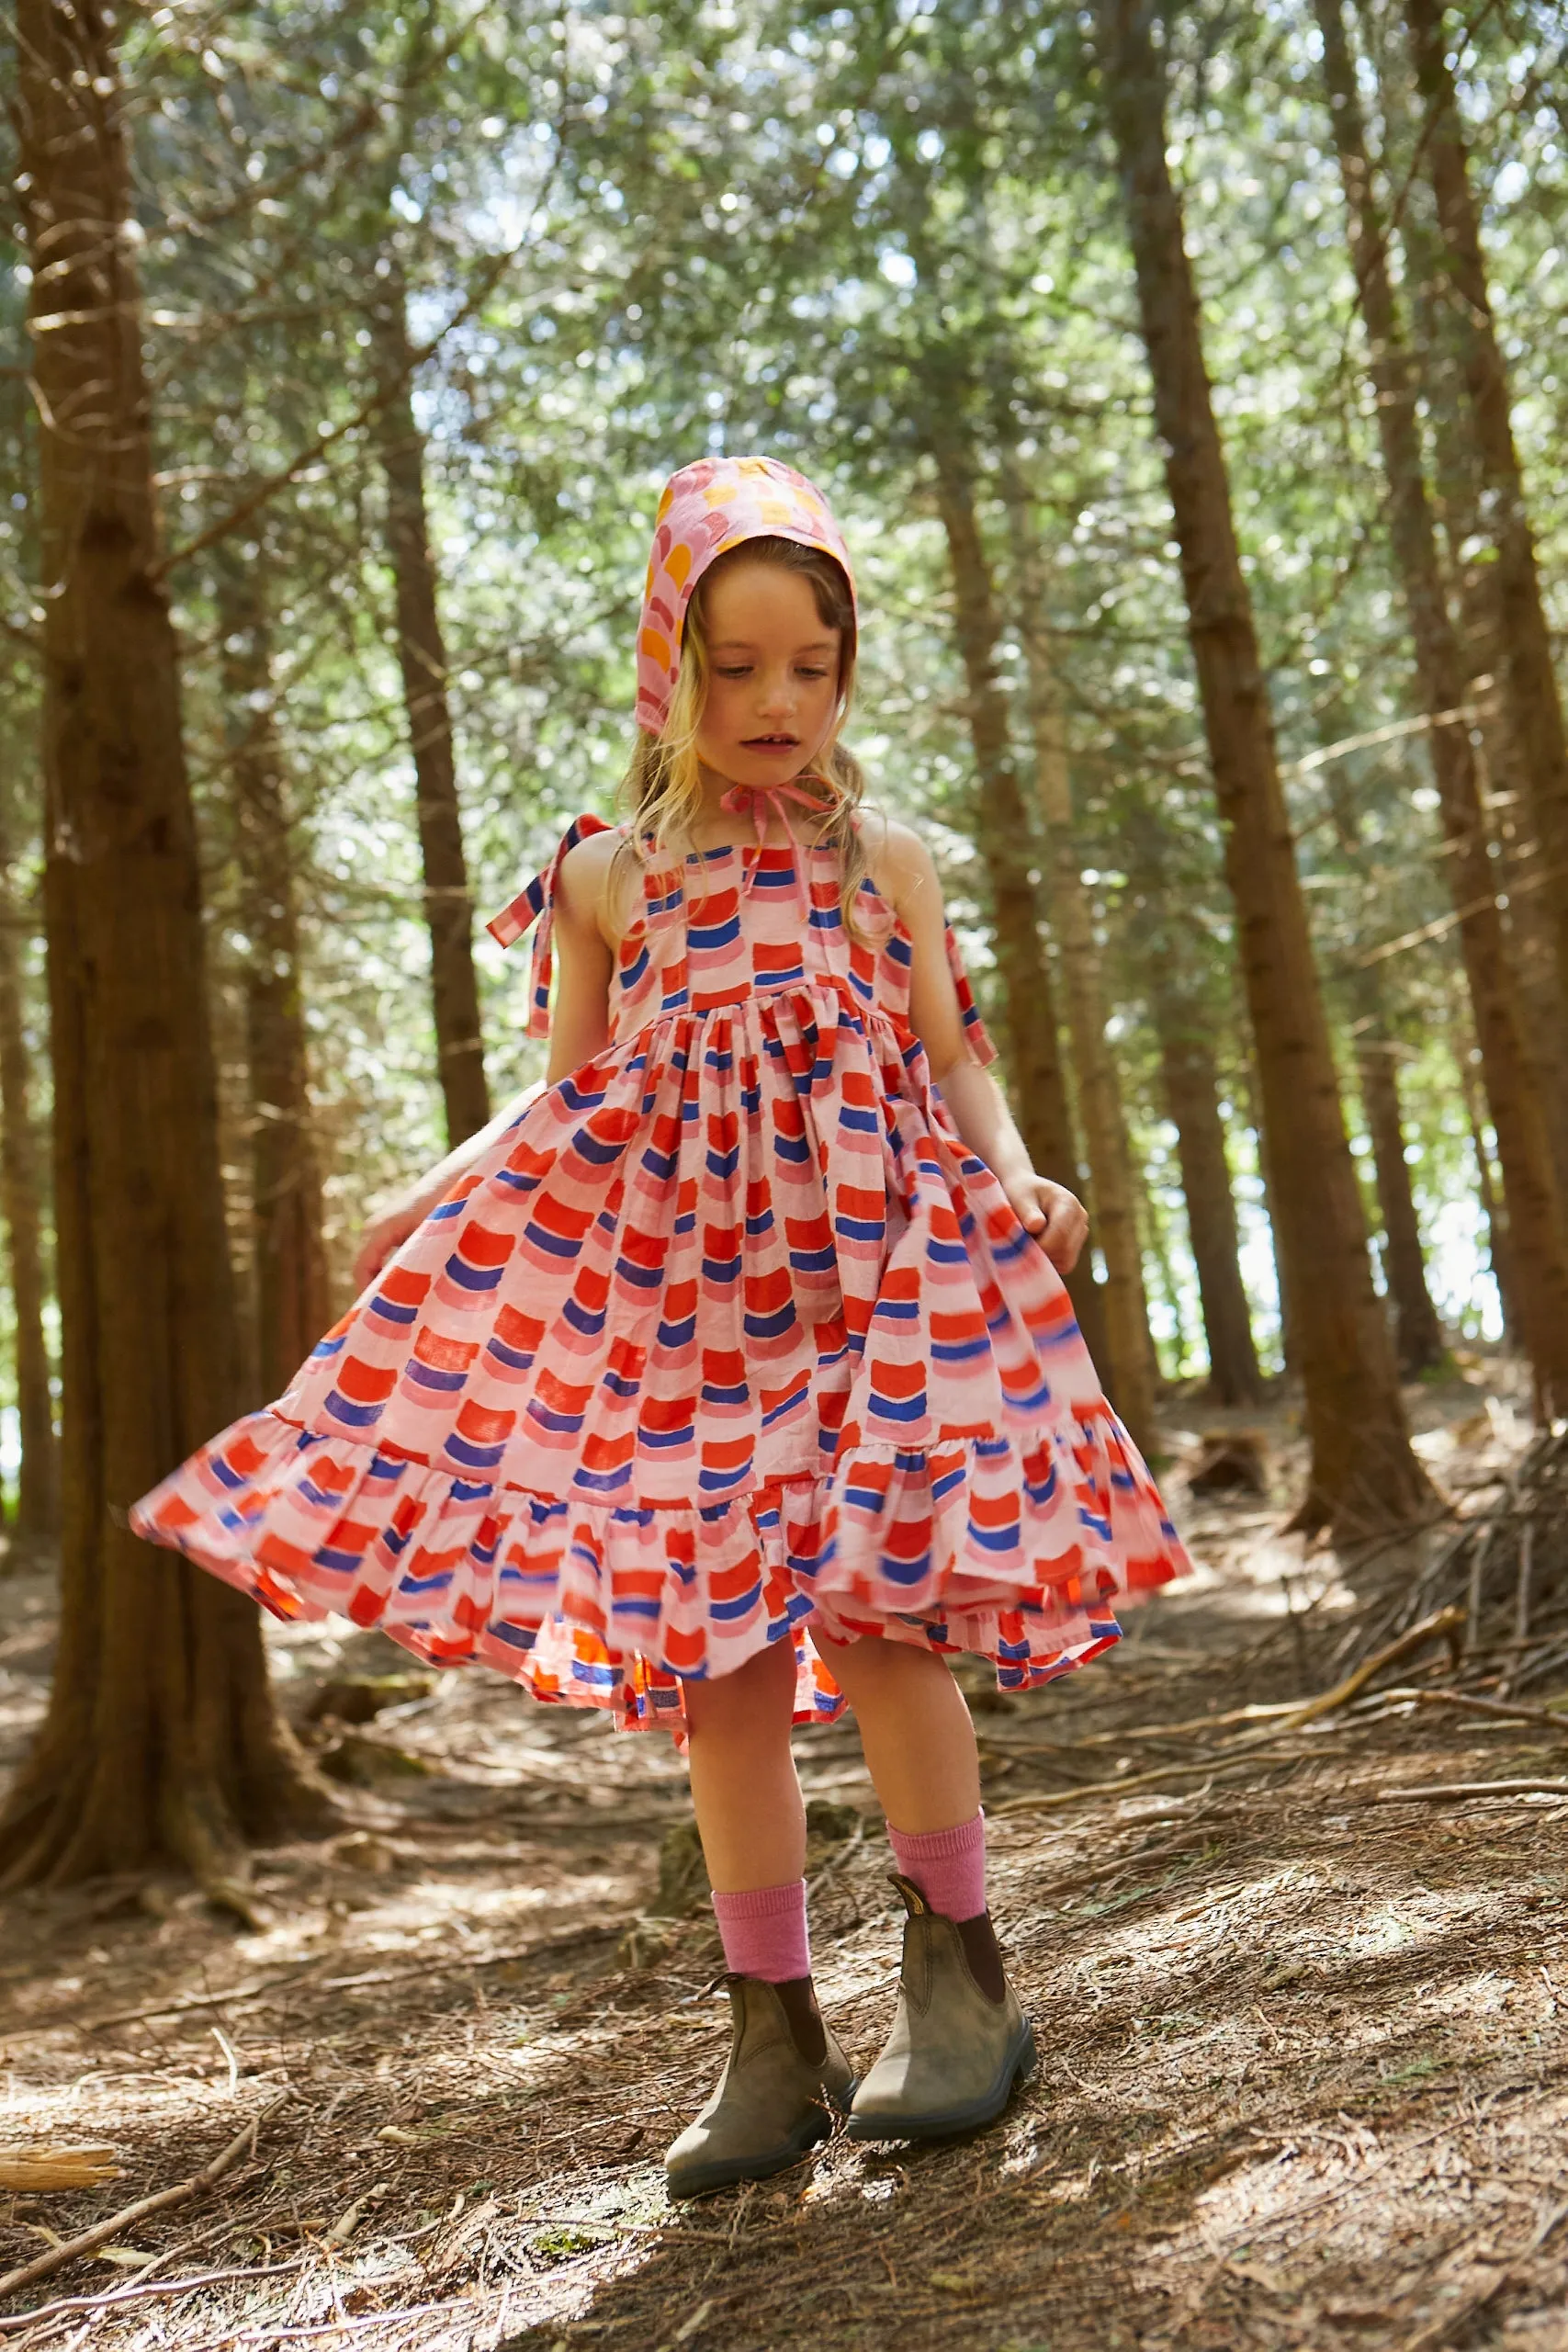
column 141, row 2291
column 100, row 2234
column 1444, row 1625
column 1460, row 1789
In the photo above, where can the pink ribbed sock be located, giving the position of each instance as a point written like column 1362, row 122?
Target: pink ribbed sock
column 947, row 1865
column 763, row 1932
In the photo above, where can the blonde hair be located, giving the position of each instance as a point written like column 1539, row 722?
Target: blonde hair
column 662, row 788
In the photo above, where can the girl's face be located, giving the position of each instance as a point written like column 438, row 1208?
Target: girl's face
column 773, row 690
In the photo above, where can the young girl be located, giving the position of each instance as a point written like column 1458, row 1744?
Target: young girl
column 731, row 1377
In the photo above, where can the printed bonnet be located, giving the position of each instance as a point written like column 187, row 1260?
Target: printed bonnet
column 707, row 508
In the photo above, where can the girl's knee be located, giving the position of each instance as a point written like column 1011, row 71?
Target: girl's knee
column 758, row 1696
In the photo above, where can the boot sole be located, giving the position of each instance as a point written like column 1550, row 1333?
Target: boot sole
column 700, row 2180
column 947, row 2123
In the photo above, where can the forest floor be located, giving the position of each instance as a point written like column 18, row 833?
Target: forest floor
column 1303, row 2073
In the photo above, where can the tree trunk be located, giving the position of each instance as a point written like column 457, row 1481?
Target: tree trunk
column 21, row 1200
column 1527, row 674
column 160, row 1738
column 1191, row 1089
column 1029, row 1011
column 1101, row 1107
column 292, row 1307
column 1418, row 1334
column 1363, row 1474
column 1506, row 791
column 1418, row 1331
column 1155, row 1234
column 1535, row 1230
column 1497, row 1254
column 422, row 654
column 1246, row 1072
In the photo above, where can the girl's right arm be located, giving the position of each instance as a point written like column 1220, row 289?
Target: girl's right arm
column 580, row 1028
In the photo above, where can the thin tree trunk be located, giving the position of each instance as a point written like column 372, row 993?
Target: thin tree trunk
column 1418, row 1333
column 292, row 1305
column 1363, row 1473
column 1101, row 1107
column 1497, row 1254
column 448, row 909
column 1029, row 1011
column 1528, row 676
column 160, row 1736
column 1536, row 1229
column 1190, row 1084
column 1156, row 1238
column 21, row 1198
column 1246, row 1073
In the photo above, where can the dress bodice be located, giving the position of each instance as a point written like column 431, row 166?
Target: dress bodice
column 724, row 926
column 729, row 924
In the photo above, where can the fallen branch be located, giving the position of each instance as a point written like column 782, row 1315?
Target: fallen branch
column 1053, row 1800
column 592, row 1933
column 1504, row 1710
column 1457, row 1789
column 102, row 2232
column 1444, row 1625
column 142, row 2290
column 185, row 2004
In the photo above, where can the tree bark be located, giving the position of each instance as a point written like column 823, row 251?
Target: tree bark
column 1536, row 1229
column 160, row 1738
column 1100, row 1106
column 1418, row 1333
column 1251, row 1087
column 22, row 1202
column 1528, row 676
column 1006, row 843
column 1363, row 1474
column 1191, row 1085
column 1498, row 1258
column 1506, row 785
column 292, row 1305
column 421, row 655
column 1155, row 1233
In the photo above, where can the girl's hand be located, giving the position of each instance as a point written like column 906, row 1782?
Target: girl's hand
column 1057, row 1218
column 383, row 1237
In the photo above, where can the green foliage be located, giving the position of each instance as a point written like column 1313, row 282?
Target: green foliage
column 628, row 237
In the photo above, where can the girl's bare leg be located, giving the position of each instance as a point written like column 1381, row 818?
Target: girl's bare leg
column 915, row 1729
column 748, row 1801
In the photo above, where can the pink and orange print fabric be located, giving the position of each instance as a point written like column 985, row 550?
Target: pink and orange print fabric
column 730, row 1336
column 707, row 508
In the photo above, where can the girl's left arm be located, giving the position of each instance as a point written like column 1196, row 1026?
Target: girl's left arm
column 1053, row 1215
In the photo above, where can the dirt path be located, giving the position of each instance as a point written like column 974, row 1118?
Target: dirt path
column 1305, row 2065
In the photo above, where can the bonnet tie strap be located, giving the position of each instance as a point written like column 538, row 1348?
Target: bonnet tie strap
column 762, row 802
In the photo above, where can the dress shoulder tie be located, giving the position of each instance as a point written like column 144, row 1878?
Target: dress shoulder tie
column 535, row 903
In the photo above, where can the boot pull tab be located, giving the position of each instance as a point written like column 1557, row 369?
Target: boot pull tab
column 914, row 1902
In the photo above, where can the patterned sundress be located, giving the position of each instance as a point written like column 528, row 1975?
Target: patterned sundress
column 728, row 1336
